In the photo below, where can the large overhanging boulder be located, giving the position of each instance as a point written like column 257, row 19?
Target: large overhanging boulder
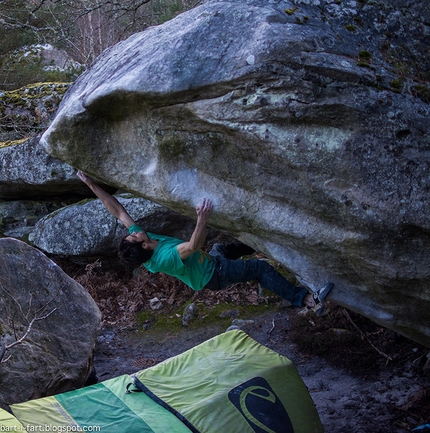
column 291, row 117
column 48, row 326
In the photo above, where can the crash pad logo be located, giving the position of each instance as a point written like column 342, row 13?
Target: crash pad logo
column 260, row 406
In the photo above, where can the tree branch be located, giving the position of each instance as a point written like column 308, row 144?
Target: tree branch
column 39, row 314
column 365, row 336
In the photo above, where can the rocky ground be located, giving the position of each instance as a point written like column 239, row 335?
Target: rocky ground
column 362, row 378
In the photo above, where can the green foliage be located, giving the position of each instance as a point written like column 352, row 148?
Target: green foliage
column 21, row 68
column 365, row 55
column 26, row 111
column 207, row 315
column 23, row 23
column 396, row 85
column 12, row 40
column 167, row 10
column 350, row 28
column 364, row 58
column 84, row 28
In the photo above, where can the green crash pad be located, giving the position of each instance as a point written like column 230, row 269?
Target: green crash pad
column 228, row 384
column 231, row 383
column 9, row 423
column 104, row 407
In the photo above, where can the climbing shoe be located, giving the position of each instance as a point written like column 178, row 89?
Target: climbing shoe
column 319, row 296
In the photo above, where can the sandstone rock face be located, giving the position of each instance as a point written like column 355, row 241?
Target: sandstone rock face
column 296, row 119
column 56, row 355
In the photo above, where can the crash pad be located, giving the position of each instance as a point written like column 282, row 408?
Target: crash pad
column 229, row 383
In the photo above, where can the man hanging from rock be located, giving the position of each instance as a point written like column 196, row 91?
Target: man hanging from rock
column 199, row 270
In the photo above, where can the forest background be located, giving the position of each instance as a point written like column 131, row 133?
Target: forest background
column 82, row 28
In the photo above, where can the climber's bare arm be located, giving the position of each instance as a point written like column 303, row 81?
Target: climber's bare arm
column 198, row 237
column 110, row 202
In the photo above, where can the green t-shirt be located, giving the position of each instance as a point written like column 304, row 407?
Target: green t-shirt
column 195, row 271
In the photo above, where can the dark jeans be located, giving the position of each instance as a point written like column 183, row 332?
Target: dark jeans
column 228, row 272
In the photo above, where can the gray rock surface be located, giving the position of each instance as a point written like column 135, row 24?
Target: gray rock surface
column 18, row 217
column 87, row 229
column 305, row 122
column 27, row 171
column 56, row 354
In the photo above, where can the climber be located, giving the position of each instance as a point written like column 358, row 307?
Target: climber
column 187, row 262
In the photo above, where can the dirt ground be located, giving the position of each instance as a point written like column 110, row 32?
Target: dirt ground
column 391, row 398
column 361, row 377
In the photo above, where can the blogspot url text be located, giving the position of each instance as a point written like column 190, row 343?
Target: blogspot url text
column 49, row 428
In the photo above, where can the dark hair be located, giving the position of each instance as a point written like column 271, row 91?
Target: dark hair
column 132, row 254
